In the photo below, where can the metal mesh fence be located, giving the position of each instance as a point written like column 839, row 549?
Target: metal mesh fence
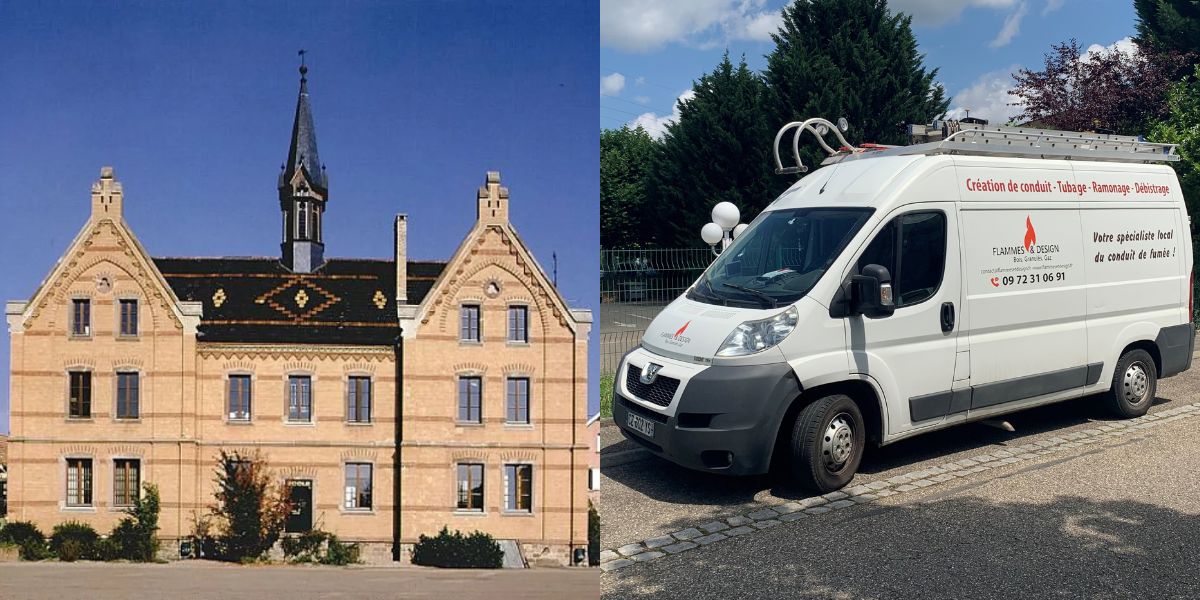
column 634, row 286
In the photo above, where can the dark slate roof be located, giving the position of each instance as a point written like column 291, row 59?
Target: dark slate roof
column 257, row 300
column 302, row 151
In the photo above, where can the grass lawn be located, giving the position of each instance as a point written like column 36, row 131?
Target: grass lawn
column 606, row 395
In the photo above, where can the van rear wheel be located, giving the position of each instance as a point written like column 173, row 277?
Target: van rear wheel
column 1134, row 384
column 827, row 443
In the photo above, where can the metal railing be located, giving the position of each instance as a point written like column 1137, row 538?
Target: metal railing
column 634, row 286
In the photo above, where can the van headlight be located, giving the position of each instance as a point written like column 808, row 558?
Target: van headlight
column 756, row 336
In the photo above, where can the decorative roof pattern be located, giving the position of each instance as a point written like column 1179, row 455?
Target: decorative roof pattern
column 257, row 300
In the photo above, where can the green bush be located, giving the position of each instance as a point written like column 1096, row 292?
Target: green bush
column 26, row 535
column 73, row 540
column 593, row 536
column 316, row 546
column 337, row 553
column 34, row 550
column 306, row 547
column 134, row 537
column 454, row 550
column 107, row 549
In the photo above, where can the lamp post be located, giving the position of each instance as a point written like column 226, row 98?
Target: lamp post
column 724, row 227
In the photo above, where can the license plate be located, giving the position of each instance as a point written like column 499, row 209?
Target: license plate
column 640, row 424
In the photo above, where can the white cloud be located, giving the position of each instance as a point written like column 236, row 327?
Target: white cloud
column 641, row 80
column 655, row 125
column 1124, row 45
column 1011, row 27
column 1052, row 5
column 642, row 99
column 612, row 84
column 987, row 98
column 933, row 13
column 647, row 25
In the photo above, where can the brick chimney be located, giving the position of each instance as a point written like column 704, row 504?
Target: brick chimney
column 401, row 231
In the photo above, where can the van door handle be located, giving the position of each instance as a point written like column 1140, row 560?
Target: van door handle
column 947, row 316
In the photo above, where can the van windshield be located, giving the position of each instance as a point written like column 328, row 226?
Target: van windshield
column 780, row 257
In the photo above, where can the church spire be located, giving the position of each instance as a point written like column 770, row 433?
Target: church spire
column 303, row 190
column 302, row 152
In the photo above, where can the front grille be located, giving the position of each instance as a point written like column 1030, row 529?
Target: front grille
column 661, row 392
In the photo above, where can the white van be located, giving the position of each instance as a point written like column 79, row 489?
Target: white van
column 902, row 290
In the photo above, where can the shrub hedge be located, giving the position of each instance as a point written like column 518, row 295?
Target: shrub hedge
column 73, row 541
column 455, row 550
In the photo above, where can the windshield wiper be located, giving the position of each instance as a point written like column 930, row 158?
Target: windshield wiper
column 767, row 297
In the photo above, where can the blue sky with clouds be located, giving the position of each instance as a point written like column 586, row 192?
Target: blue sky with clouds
column 652, row 50
column 192, row 103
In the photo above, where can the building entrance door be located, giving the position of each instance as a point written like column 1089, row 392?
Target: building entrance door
column 300, row 519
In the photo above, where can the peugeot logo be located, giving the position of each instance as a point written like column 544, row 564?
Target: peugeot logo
column 650, row 373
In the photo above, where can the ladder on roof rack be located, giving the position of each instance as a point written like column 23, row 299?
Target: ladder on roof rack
column 955, row 137
column 985, row 140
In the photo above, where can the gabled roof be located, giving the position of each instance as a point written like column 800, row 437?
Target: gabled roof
column 257, row 300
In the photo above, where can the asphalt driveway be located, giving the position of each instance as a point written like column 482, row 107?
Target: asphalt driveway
column 1073, row 504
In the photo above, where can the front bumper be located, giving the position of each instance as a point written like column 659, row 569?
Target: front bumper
column 722, row 419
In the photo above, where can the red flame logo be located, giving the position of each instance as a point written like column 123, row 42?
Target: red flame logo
column 1030, row 235
column 682, row 329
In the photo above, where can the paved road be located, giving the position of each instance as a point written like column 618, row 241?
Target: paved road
column 194, row 580
column 1103, row 509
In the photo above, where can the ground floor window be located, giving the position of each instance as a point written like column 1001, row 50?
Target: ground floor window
column 358, row 486
column 300, row 493
column 470, row 487
column 518, row 488
column 79, row 482
column 126, row 481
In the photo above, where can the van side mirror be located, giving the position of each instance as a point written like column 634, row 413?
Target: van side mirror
column 871, row 292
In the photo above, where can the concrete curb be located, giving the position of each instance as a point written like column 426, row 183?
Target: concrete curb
column 767, row 515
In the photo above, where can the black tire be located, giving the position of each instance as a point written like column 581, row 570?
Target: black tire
column 1134, row 384
column 813, row 435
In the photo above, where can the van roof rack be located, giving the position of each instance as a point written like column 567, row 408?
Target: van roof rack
column 957, row 137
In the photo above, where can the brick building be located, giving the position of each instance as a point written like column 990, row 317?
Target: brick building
column 466, row 377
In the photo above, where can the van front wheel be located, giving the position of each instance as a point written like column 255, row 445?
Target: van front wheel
column 1134, row 384
column 827, row 443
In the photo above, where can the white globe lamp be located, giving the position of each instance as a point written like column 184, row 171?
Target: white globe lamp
column 726, row 215
column 739, row 229
column 711, row 234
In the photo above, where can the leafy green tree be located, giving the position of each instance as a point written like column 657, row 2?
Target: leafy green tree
column 136, row 535
column 855, row 59
column 1182, row 127
column 718, row 150
column 252, row 507
column 625, row 155
column 1168, row 25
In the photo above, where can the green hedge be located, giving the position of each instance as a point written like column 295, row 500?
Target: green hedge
column 73, row 541
column 26, row 535
column 455, row 550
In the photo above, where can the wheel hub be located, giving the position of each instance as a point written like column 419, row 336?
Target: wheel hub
column 1136, row 384
column 837, row 442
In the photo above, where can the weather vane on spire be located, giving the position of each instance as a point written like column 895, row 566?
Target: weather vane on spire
column 303, row 67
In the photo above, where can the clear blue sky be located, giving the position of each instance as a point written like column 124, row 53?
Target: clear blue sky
column 192, row 104
column 659, row 47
